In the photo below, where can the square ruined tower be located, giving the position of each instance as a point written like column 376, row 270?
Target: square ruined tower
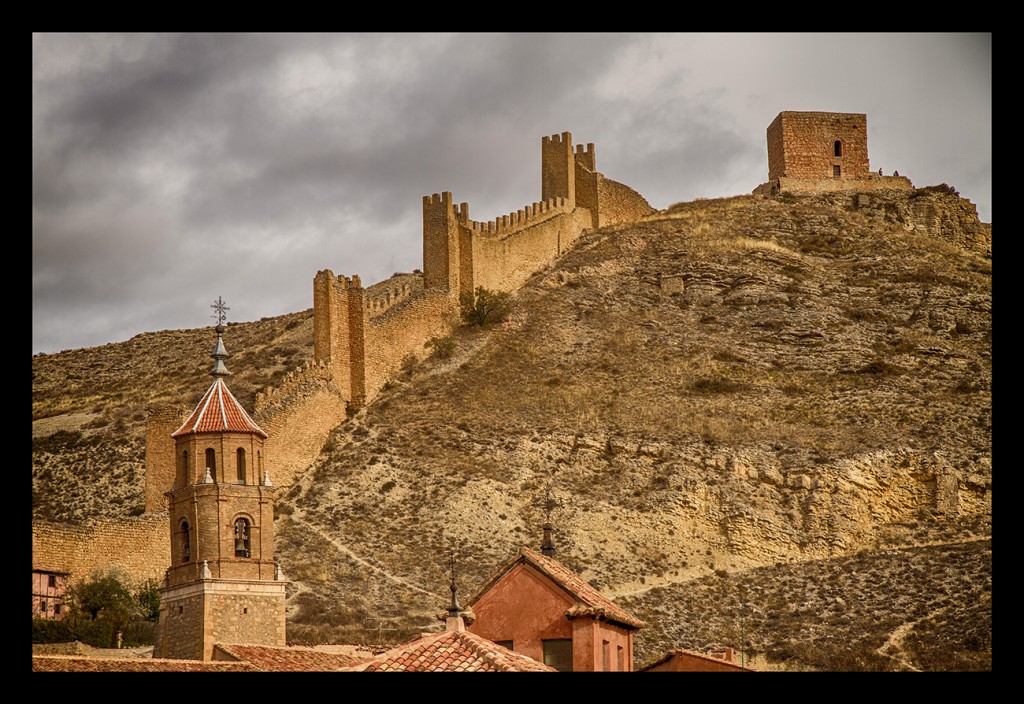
column 818, row 145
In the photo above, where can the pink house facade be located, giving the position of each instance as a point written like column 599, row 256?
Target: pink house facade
column 48, row 594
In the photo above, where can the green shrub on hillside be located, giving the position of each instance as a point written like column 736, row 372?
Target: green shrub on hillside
column 484, row 307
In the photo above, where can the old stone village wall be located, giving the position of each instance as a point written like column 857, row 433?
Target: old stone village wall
column 361, row 336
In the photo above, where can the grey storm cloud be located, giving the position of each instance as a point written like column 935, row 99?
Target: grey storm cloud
column 168, row 169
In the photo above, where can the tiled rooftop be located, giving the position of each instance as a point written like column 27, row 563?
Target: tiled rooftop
column 589, row 601
column 218, row 411
column 693, row 654
column 79, row 663
column 288, row 658
column 450, row 651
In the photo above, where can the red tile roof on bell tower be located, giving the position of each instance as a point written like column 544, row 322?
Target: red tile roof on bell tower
column 217, row 412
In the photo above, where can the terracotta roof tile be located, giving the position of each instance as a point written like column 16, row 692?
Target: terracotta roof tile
column 589, row 602
column 81, row 663
column 268, row 658
column 450, row 651
column 218, row 411
column 694, row 654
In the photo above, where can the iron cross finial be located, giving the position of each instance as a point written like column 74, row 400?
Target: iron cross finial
column 549, row 504
column 219, row 306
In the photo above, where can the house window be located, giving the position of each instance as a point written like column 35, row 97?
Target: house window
column 42, row 606
column 837, row 148
column 56, row 609
column 211, row 462
column 241, row 538
column 622, row 659
column 835, row 171
column 558, row 654
column 52, row 581
column 504, row 644
column 186, row 547
column 241, row 466
column 606, row 664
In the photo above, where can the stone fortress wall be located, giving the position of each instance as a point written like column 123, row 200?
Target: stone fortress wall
column 364, row 336
column 138, row 546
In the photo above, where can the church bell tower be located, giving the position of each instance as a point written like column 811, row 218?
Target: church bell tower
column 223, row 584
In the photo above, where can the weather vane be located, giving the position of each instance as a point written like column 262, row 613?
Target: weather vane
column 219, row 306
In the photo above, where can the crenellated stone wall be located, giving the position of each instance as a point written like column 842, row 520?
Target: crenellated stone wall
column 364, row 338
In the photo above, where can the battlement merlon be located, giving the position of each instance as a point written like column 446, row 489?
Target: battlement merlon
column 558, row 168
column 585, row 156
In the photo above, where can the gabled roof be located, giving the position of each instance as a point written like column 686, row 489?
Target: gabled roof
column 218, row 411
column 81, row 663
column 694, row 655
column 589, row 601
column 268, row 658
column 450, row 651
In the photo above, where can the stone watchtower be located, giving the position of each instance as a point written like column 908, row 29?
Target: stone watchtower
column 818, row 145
column 223, row 584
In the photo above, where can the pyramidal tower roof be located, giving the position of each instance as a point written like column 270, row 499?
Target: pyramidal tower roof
column 219, row 411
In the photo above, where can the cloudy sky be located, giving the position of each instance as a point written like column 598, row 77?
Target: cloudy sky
column 170, row 169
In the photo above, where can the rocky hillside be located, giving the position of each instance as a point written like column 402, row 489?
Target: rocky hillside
column 770, row 407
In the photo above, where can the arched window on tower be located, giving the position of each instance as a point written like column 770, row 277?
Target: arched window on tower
column 211, row 462
column 241, row 538
column 241, row 465
column 837, row 148
column 182, row 470
column 186, row 544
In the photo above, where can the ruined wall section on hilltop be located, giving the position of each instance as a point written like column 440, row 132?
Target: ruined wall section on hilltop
column 140, row 546
column 620, row 203
column 163, row 420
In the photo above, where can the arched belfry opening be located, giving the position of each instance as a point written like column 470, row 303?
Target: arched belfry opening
column 243, row 534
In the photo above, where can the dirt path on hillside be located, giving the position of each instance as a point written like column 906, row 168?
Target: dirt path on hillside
column 893, row 647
